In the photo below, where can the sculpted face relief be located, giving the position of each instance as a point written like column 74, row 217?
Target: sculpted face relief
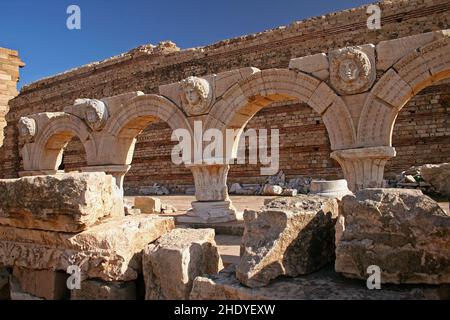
column 348, row 70
column 197, row 94
column 27, row 128
column 95, row 112
column 351, row 70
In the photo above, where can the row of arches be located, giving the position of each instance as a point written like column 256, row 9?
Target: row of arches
column 361, row 145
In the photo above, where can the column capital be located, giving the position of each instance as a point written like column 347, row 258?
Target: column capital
column 364, row 167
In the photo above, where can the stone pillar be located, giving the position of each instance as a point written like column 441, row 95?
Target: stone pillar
column 213, row 204
column 364, row 167
column 117, row 171
column 9, row 75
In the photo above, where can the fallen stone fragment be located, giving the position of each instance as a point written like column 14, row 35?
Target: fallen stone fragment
column 46, row 284
column 289, row 192
column 438, row 176
column 147, row 204
column 16, row 292
column 271, row 190
column 172, row 263
column 69, row 202
column 109, row 251
column 402, row 231
column 101, row 290
column 288, row 236
column 322, row 285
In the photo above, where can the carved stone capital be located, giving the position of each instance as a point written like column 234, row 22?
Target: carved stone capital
column 364, row 167
column 210, row 181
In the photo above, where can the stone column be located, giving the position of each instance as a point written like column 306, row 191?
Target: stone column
column 117, row 171
column 364, row 167
column 213, row 204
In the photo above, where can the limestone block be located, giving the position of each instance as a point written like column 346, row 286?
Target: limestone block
column 402, row 231
column 390, row 51
column 393, row 89
column 438, row 176
column 210, row 212
column 322, row 285
column 310, row 64
column 101, row 290
column 107, row 251
column 289, row 236
column 46, row 284
column 148, row 204
column 16, row 292
column 171, row 265
column 68, row 202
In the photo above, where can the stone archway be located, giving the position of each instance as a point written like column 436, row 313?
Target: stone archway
column 245, row 98
column 242, row 101
column 417, row 70
column 405, row 77
column 47, row 135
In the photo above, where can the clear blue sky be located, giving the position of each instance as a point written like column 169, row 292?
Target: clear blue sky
column 110, row 27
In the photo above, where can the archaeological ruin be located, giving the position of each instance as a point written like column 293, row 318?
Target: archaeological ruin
column 86, row 155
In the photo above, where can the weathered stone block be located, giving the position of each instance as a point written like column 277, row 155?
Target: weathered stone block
column 402, row 231
column 171, row 265
column 438, row 176
column 68, row 202
column 109, row 251
column 101, row 290
column 16, row 292
column 322, row 285
column 289, row 236
column 148, row 204
column 46, row 284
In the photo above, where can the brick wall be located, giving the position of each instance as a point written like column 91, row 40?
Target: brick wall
column 9, row 75
column 304, row 146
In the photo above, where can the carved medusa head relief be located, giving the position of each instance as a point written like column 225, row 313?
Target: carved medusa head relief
column 95, row 112
column 351, row 70
column 27, row 129
column 197, row 95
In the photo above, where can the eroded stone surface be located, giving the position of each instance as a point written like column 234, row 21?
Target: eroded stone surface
column 64, row 202
column 289, row 236
column 322, row 285
column 438, row 176
column 109, row 251
column 402, row 231
column 171, row 265
column 45, row 284
column 148, row 204
column 101, row 290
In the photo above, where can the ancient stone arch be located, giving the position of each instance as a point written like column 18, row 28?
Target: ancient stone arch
column 418, row 69
column 51, row 133
column 339, row 85
column 244, row 99
column 119, row 135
